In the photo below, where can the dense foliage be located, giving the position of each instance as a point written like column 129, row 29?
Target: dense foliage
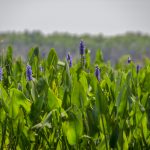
column 49, row 104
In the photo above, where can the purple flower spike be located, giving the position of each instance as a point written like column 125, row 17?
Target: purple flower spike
column 43, row 54
column 129, row 60
column 69, row 59
column 1, row 73
column 82, row 47
column 29, row 73
column 97, row 73
column 137, row 69
column 70, row 62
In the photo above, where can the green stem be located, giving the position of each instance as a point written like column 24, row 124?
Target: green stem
column 82, row 61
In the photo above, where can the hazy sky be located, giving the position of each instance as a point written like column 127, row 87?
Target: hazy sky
column 108, row 17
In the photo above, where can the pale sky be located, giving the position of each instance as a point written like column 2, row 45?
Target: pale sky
column 109, row 17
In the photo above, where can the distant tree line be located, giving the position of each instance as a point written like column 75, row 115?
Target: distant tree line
column 136, row 45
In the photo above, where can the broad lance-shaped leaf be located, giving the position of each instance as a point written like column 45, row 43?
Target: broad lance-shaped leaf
column 78, row 96
column 52, row 58
column 53, row 101
column 124, row 97
column 99, row 57
column 34, row 52
column 144, row 99
column 146, row 85
column 3, row 101
column 16, row 100
column 144, row 127
column 67, row 79
column 8, row 60
column 36, row 108
column 125, row 141
column 114, row 137
column 9, row 53
column 121, row 102
column 88, row 59
column 73, row 129
column 101, row 100
column 83, row 81
column 52, row 61
column 71, row 133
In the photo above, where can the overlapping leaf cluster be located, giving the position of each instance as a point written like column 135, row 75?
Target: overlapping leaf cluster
column 66, row 107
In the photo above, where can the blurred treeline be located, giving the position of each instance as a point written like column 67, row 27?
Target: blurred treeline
column 136, row 45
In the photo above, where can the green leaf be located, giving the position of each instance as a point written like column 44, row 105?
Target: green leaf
column 71, row 133
column 102, row 144
column 99, row 57
column 146, row 85
column 78, row 95
column 17, row 99
column 74, row 127
column 101, row 100
column 36, row 108
column 53, row 101
column 144, row 126
column 114, row 137
column 125, row 144
column 9, row 53
column 52, row 58
column 34, row 52
column 8, row 60
column 87, row 56
column 144, row 99
column 124, row 97
column 59, row 145
column 83, row 81
column 121, row 102
column 67, row 79
column 42, row 86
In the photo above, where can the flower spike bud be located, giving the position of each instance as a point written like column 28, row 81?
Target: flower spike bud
column 129, row 59
column 70, row 62
column 137, row 69
column 69, row 59
column 1, row 73
column 82, row 47
column 29, row 73
column 97, row 73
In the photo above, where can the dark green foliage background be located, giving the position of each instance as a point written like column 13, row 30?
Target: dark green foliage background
column 113, row 47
